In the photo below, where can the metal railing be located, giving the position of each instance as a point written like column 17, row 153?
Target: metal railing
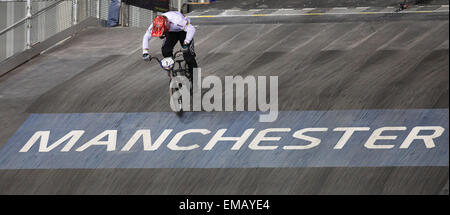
column 24, row 23
column 28, row 22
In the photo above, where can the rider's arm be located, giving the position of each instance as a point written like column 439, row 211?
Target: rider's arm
column 190, row 31
column 146, row 39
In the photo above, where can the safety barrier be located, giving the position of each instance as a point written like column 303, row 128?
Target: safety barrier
column 29, row 22
column 25, row 23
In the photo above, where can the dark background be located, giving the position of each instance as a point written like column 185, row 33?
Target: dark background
column 158, row 5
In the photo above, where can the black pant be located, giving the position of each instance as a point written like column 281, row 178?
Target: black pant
column 169, row 43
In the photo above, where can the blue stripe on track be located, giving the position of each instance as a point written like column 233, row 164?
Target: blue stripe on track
column 353, row 154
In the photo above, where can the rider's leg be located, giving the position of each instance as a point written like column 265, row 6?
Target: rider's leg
column 189, row 56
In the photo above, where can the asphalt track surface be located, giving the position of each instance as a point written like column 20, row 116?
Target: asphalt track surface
column 399, row 63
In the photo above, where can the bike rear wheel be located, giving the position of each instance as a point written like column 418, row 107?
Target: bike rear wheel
column 177, row 82
column 176, row 100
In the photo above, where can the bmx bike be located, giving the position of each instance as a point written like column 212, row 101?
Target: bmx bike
column 180, row 80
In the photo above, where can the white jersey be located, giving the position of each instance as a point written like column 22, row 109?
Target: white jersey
column 178, row 22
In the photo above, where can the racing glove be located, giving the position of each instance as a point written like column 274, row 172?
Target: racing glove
column 185, row 47
column 146, row 57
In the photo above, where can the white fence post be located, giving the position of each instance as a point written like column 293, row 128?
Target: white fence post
column 74, row 12
column 28, row 25
column 98, row 9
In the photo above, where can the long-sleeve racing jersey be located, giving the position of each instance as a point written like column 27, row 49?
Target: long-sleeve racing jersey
column 178, row 22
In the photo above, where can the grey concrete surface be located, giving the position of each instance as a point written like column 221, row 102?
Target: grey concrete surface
column 400, row 64
column 332, row 18
column 262, row 181
column 21, row 57
column 273, row 4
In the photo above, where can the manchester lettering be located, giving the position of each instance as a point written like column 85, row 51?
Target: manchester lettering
column 383, row 138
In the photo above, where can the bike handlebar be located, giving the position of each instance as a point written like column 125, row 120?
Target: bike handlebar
column 175, row 55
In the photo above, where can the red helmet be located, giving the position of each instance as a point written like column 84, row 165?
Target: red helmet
column 160, row 26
